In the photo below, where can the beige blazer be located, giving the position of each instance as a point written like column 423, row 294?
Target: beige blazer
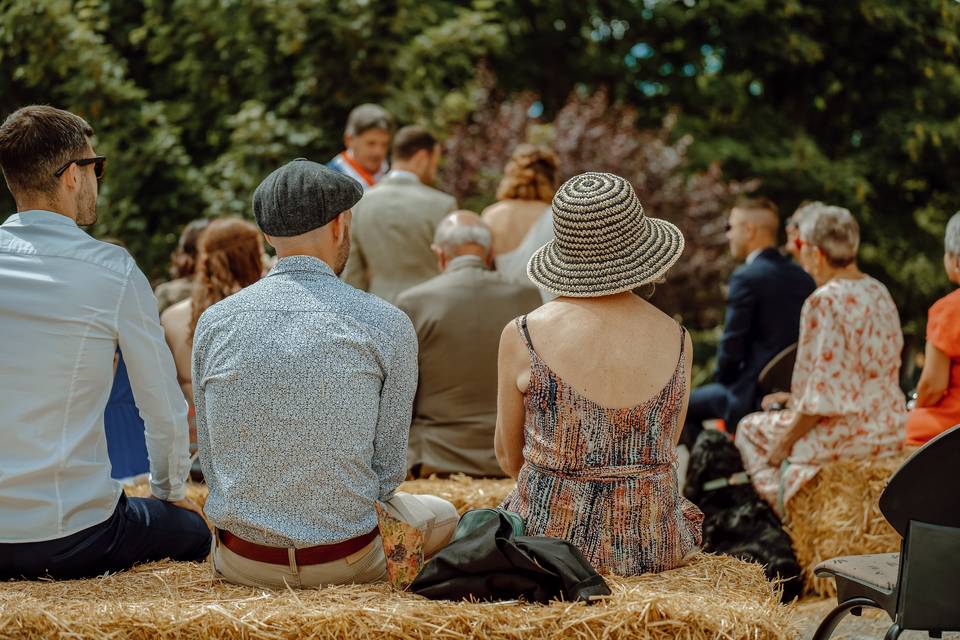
column 391, row 234
column 459, row 316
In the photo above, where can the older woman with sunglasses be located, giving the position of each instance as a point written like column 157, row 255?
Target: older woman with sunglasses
column 845, row 400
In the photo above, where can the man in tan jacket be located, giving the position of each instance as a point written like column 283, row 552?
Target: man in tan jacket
column 458, row 317
column 394, row 223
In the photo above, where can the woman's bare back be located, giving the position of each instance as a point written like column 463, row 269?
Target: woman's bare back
column 618, row 351
column 510, row 221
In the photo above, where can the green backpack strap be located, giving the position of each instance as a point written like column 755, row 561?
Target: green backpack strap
column 474, row 518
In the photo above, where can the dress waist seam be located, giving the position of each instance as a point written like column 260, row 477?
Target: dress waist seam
column 606, row 474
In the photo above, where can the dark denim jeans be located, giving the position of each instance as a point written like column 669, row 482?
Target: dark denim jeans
column 140, row 530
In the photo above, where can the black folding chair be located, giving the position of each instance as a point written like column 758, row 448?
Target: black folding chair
column 778, row 373
column 920, row 586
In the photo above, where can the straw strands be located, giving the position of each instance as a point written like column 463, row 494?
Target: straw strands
column 464, row 492
column 838, row 514
column 712, row 597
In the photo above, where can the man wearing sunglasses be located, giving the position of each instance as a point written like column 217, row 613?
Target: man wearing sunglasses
column 67, row 302
column 764, row 300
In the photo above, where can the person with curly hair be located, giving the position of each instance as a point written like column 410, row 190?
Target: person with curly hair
column 520, row 221
column 229, row 258
column 183, row 266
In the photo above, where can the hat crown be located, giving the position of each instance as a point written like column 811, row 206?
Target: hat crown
column 301, row 196
column 594, row 213
column 603, row 242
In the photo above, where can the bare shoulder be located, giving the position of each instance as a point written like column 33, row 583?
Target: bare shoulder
column 176, row 313
column 494, row 212
column 512, row 347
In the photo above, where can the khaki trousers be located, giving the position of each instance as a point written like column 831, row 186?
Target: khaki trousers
column 436, row 517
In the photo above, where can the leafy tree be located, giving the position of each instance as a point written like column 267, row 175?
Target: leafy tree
column 855, row 102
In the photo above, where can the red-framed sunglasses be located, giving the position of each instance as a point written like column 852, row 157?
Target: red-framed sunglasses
column 99, row 166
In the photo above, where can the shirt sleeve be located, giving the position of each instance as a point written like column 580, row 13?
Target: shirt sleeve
column 198, row 359
column 822, row 384
column 396, row 410
column 943, row 325
column 737, row 329
column 153, row 379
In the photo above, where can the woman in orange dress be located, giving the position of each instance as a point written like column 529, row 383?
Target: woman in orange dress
column 845, row 400
column 938, row 393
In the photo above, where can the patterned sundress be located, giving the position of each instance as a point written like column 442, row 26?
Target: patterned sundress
column 605, row 479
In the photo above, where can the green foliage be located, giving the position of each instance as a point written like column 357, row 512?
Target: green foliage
column 195, row 101
column 856, row 102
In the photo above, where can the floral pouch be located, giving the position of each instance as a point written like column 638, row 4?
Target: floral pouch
column 402, row 546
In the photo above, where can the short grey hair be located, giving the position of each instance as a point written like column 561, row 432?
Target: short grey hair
column 802, row 212
column 833, row 230
column 366, row 117
column 450, row 237
column 951, row 238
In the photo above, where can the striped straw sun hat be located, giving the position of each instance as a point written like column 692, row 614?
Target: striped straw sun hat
column 603, row 244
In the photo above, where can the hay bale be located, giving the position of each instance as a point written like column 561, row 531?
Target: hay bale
column 838, row 514
column 464, row 492
column 712, row 597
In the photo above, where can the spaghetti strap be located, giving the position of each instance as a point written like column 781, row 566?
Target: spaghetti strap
column 682, row 363
column 524, row 332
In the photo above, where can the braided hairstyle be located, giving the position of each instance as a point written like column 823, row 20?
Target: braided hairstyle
column 530, row 174
column 229, row 258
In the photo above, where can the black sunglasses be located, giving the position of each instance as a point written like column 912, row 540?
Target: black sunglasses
column 98, row 162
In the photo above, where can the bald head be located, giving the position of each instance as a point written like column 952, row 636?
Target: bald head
column 462, row 233
column 753, row 225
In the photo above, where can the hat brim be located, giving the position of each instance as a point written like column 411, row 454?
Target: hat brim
column 637, row 266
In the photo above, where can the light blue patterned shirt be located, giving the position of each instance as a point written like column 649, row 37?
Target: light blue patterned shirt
column 304, row 392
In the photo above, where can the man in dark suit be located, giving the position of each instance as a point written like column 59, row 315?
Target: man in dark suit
column 763, row 317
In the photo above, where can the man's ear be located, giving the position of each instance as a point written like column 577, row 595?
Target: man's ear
column 71, row 178
column 347, row 141
column 341, row 225
column 441, row 259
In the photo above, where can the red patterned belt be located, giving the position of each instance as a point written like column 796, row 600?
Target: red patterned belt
column 307, row 556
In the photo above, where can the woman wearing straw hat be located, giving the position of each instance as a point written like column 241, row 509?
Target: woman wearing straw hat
column 593, row 387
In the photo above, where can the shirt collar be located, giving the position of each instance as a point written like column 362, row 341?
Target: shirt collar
column 407, row 176
column 291, row 264
column 40, row 216
column 753, row 255
column 381, row 172
column 465, row 262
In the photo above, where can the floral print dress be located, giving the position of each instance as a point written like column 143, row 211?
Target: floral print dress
column 847, row 372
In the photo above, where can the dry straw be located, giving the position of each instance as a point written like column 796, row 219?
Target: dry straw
column 838, row 514
column 712, row 597
column 464, row 492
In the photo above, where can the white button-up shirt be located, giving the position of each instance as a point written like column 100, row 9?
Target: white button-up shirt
column 66, row 302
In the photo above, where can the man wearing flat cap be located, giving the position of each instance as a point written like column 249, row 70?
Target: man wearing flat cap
column 304, row 389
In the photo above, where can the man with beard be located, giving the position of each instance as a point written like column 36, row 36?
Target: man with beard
column 67, row 302
column 304, row 390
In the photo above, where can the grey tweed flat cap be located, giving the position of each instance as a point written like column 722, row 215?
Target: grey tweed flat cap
column 302, row 196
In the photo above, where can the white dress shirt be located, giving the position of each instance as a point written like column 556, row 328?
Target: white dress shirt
column 66, row 302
